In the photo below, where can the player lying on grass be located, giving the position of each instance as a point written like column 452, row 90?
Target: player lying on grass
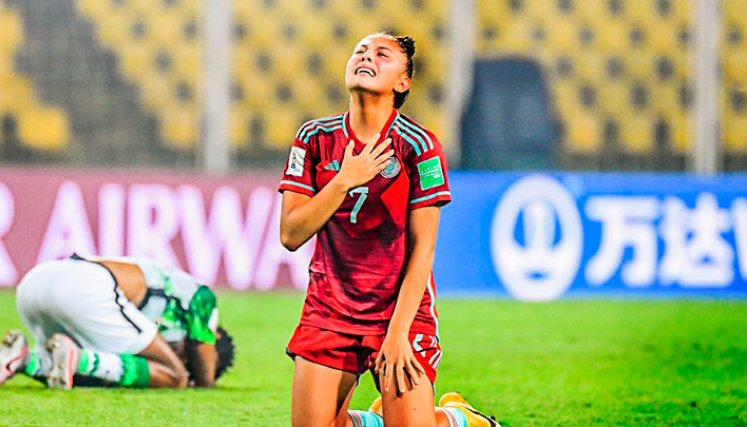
column 120, row 322
column 369, row 184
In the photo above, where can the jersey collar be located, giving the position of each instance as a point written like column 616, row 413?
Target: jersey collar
column 386, row 130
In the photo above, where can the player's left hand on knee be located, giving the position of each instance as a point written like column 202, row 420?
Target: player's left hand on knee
column 397, row 366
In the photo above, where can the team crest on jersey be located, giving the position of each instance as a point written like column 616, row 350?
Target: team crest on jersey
column 392, row 168
column 295, row 161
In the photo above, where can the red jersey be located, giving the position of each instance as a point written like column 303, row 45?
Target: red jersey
column 361, row 252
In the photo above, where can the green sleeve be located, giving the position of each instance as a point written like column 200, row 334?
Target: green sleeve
column 202, row 316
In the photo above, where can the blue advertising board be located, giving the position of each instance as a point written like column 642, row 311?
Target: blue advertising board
column 540, row 237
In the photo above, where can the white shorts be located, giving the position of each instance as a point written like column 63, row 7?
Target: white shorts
column 81, row 300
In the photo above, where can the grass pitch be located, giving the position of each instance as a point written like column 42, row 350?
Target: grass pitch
column 569, row 363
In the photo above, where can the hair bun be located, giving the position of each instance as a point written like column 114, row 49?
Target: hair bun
column 408, row 44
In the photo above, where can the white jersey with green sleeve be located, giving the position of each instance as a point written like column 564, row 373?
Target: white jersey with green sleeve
column 180, row 304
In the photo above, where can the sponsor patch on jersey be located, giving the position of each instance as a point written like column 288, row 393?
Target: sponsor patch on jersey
column 431, row 174
column 295, row 161
column 392, row 168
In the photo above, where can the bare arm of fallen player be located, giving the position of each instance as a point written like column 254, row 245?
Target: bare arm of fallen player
column 302, row 216
column 398, row 369
column 165, row 367
column 202, row 361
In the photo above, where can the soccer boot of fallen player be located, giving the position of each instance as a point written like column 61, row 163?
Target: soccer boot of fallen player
column 65, row 357
column 474, row 417
column 13, row 351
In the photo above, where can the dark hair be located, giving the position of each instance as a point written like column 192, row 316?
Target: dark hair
column 407, row 44
column 226, row 351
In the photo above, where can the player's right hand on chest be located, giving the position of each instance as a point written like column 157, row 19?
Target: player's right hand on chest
column 359, row 169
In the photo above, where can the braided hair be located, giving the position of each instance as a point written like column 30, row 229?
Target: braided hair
column 407, row 44
column 225, row 349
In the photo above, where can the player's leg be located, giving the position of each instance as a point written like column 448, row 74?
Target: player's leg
column 415, row 407
column 326, row 369
column 73, row 365
column 123, row 370
column 453, row 411
column 33, row 303
column 320, row 395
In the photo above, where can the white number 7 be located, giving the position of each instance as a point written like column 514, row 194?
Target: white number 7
column 363, row 191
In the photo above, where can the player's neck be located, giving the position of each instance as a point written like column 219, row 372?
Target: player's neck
column 368, row 114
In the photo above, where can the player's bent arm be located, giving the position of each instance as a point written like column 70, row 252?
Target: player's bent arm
column 203, row 360
column 199, row 348
column 165, row 367
column 396, row 362
column 302, row 216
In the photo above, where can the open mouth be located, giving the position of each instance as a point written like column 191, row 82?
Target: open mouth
column 366, row 71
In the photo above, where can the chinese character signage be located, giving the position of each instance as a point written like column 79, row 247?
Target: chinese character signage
column 542, row 237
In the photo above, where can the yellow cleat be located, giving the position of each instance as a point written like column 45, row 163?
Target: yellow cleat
column 474, row 417
column 376, row 407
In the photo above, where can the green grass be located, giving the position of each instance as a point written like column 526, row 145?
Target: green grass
column 570, row 363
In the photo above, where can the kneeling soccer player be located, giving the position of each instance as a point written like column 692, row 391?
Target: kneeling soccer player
column 369, row 184
column 119, row 322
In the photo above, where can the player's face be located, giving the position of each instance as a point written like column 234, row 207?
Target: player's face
column 378, row 65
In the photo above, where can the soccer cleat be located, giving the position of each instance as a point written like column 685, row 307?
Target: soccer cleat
column 65, row 356
column 13, row 351
column 474, row 417
column 376, row 407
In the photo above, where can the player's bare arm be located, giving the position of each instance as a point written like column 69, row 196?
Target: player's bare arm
column 396, row 365
column 203, row 360
column 166, row 368
column 302, row 216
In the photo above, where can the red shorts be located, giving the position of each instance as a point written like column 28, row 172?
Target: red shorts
column 357, row 353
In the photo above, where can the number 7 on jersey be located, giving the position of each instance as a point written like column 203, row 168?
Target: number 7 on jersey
column 363, row 191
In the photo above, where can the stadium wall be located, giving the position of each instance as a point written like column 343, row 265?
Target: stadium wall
column 533, row 237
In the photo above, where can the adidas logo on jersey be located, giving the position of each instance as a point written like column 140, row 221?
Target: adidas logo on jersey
column 333, row 166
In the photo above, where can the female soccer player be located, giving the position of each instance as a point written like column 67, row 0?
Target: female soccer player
column 369, row 184
column 127, row 322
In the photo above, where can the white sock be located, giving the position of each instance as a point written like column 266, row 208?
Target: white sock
column 455, row 416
